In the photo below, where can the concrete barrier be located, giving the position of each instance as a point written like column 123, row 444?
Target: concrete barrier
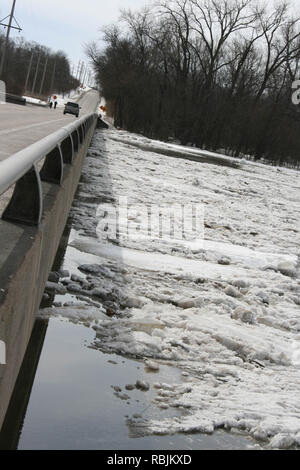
column 27, row 253
column 2, row 92
column 15, row 99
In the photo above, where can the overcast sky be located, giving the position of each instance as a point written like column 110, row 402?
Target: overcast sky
column 65, row 24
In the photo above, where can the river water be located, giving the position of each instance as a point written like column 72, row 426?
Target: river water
column 73, row 405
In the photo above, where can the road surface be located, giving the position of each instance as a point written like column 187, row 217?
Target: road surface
column 22, row 126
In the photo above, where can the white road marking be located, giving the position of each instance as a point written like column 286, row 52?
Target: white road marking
column 16, row 129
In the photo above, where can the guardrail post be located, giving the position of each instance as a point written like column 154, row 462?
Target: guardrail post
column 53, row 168
column 75, row 138
column 26, row 204
column 67, row 150
column 81, row 136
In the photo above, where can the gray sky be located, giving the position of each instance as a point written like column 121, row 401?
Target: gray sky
column 65, row 24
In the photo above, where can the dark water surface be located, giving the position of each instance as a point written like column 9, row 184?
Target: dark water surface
column 72, row 404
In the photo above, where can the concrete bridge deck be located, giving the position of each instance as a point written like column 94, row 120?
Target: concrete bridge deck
column 21, row 126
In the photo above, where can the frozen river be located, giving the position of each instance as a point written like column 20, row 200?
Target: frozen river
column 218, row 318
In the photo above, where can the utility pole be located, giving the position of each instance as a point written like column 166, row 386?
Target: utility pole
column 81, row 72
column 43, row 77
column 78, row 70
column 53, row 77
column 29, row 70
column 84, row 76
column 9, row 27
column 36, row 73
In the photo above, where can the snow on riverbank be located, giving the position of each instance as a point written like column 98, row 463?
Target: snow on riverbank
column 36, row 101
column 74, row 95
column 227, row 313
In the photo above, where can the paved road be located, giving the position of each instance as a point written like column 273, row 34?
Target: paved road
column 21, row 126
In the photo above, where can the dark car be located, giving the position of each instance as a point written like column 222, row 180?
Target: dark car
column 72, row 108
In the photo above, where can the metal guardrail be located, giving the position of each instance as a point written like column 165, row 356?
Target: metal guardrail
column 15, row 99
column 58, row 149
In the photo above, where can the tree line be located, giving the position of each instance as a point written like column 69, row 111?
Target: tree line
column 216, row 74
column 34, row 69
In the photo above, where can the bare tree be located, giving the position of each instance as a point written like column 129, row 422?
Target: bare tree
column 214, row 73
column 215, row 22
column 281, row 41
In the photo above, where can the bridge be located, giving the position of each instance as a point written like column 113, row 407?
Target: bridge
column 41, row 157
column 21, row 126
